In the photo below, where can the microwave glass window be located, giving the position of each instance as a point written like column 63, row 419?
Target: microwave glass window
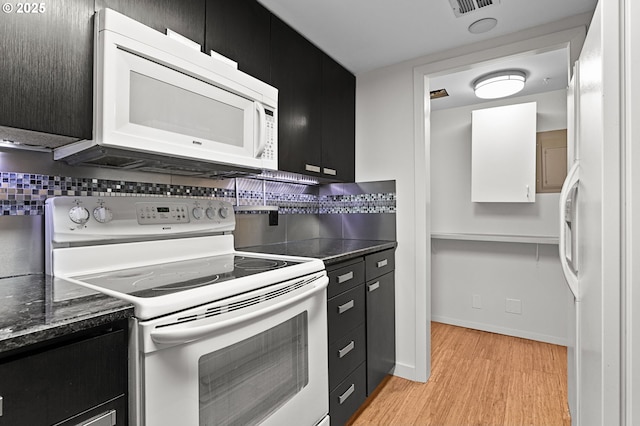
column 246, row 382
column 159, row 105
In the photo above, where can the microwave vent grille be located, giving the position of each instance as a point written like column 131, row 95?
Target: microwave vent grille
column 102, row 156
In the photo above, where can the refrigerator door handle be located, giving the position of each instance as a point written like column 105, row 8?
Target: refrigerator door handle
column 573, row 177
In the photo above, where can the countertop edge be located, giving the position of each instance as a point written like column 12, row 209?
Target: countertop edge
column 42, row 333
column 332, row 260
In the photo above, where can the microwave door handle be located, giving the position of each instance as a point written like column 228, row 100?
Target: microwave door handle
column 262, row 129
column 573, row 177
column 179, row 334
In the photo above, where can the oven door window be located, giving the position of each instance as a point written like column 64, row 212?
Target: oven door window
column 246, row 382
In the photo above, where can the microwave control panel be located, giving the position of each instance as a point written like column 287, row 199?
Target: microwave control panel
column 270, row 152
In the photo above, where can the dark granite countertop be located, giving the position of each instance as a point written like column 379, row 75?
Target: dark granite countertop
column 35, row 308
column 330, row 250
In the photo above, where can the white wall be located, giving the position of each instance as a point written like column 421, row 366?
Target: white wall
column 495, row 272
column 490, row 271
column 384, row 151
column 452, row 209
column 386, row 144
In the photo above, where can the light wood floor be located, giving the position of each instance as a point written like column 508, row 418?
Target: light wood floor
column 477, row 378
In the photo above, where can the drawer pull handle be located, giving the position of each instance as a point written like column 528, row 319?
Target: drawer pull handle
column 344, row 308
column 345, row 277
column 382, row 263
column 374, row 286
column 0, row 406
column 312, row 168
column 105, row 419
column 342, row 352
column 342, row 398
column 328, row 171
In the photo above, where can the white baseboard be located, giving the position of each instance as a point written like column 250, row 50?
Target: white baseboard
column 406, row 372
column 501, row 330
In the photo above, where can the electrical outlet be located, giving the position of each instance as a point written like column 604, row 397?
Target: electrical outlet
column 514, row 306
column 477, row 302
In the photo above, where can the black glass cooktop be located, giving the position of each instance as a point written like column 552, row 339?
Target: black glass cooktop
column 173, row 277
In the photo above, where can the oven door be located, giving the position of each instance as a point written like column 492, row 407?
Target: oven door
column 258, row 358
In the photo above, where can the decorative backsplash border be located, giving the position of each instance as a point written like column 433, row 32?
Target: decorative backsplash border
column 360, row 203
column 24, row 194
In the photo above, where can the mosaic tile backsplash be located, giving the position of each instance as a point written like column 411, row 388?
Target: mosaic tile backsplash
column 25, row 194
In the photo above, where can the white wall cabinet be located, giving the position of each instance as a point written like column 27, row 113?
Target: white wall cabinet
column 503, row 154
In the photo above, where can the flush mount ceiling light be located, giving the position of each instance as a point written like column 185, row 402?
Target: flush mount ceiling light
column 499, row 84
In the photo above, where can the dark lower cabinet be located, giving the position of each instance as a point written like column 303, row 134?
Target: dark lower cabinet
column 47, row 68
column 361, row 330
column 381, row 326
column 68, row 382
column 240, row 30
column 381, row 329
column 346, row 314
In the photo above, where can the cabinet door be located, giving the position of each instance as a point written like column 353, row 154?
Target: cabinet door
column 338, row 121
column 50, row 386
column 381, row 329
column 503, row 154
column 296, row 71
column 47, row 67
column 240, row 30
column 185, row 17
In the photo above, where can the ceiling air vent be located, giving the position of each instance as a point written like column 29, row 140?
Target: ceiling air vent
column 463, row 7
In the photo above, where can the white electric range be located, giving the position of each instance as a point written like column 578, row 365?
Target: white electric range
column 219, row 336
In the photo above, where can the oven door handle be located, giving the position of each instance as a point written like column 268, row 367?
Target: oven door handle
column 180, row 333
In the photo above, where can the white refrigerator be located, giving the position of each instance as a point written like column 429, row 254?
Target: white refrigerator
column 596, row 212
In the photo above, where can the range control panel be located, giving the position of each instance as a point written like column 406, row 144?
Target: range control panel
column 166, row 212
column 95, row 218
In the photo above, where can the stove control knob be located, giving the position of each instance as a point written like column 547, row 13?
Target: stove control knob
column 198, row 212
column 211, row 213
column 79, row 215
column 103, row 214
column 223, row 212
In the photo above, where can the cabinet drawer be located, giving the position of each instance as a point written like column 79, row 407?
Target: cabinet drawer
column 112, row 412
column 378, row 264
column 344, row 278
column 347, row 397
column 345, row 312
column 346, row 354
column 50, row 386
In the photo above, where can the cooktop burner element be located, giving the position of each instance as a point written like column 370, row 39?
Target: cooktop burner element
column 173, row 277
column 254, row 264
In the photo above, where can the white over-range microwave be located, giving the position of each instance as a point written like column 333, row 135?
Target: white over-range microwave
column 161, row 105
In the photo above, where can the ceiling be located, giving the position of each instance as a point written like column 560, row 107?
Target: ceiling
column 544, row 72
column 368, row 34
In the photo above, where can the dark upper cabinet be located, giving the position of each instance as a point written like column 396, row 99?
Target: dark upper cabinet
column 240, row 30
column 47, row 68
column 186, row 17
column 296, row 70
column 338, row 121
